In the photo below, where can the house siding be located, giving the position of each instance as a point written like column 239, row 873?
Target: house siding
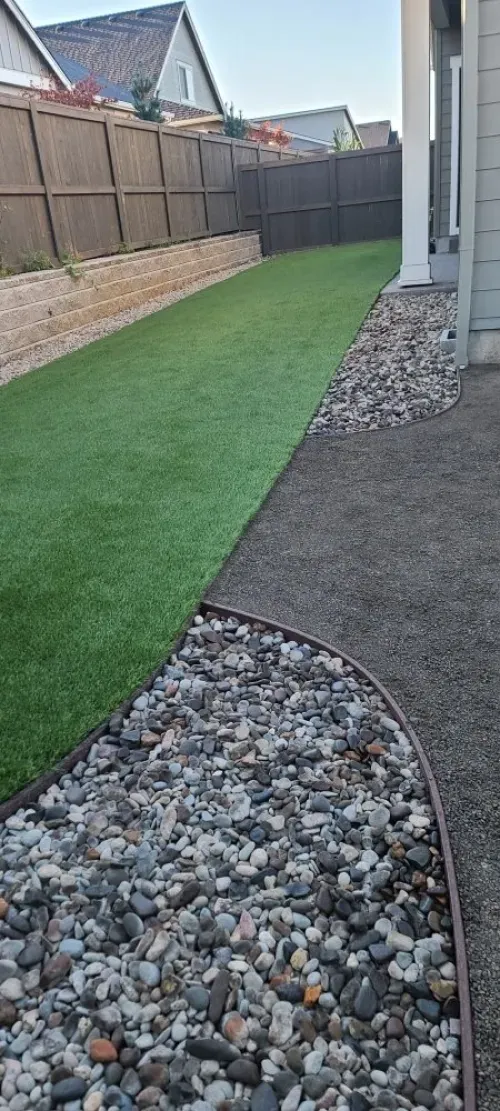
column 320, row 125
column 485, row 301
column 16, row 51
column 448, row 43
column 183, row 49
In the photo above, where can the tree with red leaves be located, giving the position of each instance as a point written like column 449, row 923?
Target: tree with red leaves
column 273, row 136
column 83, row 94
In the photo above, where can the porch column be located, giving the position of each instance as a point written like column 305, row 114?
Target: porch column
column 415, row 36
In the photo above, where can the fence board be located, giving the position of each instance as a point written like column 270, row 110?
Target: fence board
column 335, row 198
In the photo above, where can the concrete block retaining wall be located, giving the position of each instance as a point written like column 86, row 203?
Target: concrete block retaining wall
column 38, row 307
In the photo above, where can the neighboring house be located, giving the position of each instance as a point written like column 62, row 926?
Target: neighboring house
column 159, row 42
column 25, row 61
column 466, row 52
column 378, row 133
column 313, row 130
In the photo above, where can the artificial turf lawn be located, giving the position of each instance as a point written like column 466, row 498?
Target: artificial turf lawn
column 129, row 469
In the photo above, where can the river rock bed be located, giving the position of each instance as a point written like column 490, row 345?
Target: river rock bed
column 395, row 371
column 237, row 902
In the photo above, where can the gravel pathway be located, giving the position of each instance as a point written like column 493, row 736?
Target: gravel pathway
column 62, row 345
column 394, row 372
column 236, row 902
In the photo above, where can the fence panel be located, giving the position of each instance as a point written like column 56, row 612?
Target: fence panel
column 336, row 198
column 79, row 181
column 369, row 194
column 24, row 216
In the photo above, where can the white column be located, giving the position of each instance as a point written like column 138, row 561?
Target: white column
column 415, row 37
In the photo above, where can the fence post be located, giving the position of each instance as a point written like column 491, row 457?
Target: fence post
column 264, row 214
column 236, row 180
column 204, row 187
column 45, row 176
column 334, row 200
column 164, row 178
column 115, row 176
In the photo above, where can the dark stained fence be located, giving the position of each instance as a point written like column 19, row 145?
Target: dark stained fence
column 86, row 182
column 335, row 198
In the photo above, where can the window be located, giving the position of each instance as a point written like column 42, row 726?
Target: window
column 186, row 83
column 456, row 119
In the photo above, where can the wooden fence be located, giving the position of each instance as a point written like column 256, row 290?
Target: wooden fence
column 85, row 182
column 333, row 198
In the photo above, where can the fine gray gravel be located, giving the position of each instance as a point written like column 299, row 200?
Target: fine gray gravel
column 394, row 372
column 45, row 353
column 389, row 546
column 237, row 901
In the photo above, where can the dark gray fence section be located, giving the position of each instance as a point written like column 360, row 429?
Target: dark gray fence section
column 334, row 198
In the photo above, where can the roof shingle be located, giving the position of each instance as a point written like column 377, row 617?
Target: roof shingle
column 118, row 45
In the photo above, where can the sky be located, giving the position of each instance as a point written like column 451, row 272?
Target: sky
column 271, row 56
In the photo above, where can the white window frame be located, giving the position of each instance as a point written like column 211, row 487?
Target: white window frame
column 188, row 71
column 456, row 78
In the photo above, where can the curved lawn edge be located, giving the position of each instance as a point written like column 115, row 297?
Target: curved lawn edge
column 29, row 794
column 140, row 445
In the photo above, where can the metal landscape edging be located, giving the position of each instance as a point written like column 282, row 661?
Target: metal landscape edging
column 466, row 1023
column 29, row 794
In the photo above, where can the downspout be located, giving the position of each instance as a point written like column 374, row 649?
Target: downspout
column 468, row 163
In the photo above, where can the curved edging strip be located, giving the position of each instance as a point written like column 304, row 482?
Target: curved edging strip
column 466, row 1025
column 29, row 794
column 389, row 427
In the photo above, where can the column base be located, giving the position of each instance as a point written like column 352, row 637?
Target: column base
column 416, row 274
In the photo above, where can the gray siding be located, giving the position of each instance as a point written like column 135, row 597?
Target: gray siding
column 318, row 125
column 184, row 50
column 448, row 43
column 485, row 305
column 16, row 51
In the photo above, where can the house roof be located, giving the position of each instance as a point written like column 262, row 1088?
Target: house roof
column 41, row 48
column 76, row 72
column 307, row 112
column 111, row 91
column 122, row 44
column 375, row 134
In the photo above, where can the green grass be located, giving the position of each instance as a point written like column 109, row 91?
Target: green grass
column 130, row 468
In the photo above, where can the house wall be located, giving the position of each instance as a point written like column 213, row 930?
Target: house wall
column 16, row 51
column 448, row 43
column 485, row 302
column 184, row 50
column 320, row 125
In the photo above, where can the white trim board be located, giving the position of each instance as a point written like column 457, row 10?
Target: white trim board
column 23, row 80
column 456, row 78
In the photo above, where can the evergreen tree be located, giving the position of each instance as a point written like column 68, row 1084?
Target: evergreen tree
column 147, row 103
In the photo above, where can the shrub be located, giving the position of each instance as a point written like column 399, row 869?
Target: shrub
column 35, row 260
column 71, row 263
column 274, row 136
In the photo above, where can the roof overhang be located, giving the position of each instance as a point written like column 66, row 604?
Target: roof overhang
column 194, row 121
column 445, row 13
